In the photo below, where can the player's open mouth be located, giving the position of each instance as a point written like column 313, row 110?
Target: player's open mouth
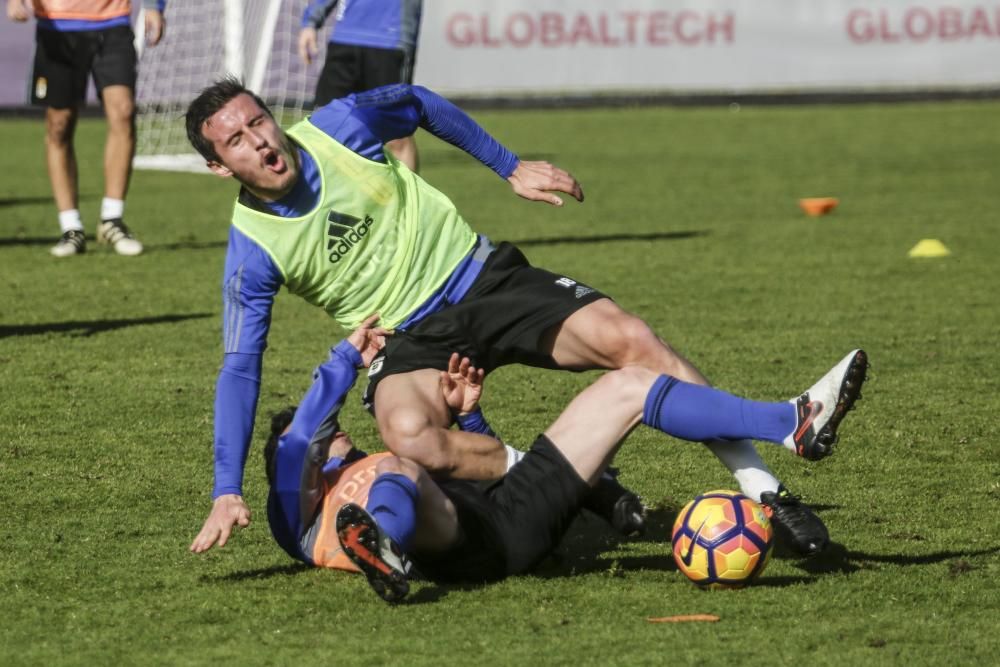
column 274, row 162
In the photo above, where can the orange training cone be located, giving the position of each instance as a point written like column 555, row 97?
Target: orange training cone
column 817, row 206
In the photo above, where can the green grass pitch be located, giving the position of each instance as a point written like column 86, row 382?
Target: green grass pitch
column 108, row 365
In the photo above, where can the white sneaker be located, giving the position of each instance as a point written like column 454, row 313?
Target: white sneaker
column 70, row 243
column 117, row 235
column 819, row 411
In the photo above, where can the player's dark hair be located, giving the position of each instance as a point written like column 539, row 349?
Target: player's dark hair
column 207, row 104
column 279, row 422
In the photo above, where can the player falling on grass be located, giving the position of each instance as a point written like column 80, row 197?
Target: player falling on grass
column 457, row 530
column 326, row 211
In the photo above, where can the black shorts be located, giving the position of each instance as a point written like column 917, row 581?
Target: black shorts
column 353, row 69
column 64, row 60
column 501, row 320
column 514, row 524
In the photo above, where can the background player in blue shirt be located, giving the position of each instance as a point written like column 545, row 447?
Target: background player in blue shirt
column 373, row 43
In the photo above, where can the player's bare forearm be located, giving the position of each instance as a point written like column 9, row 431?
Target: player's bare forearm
column 537, row 181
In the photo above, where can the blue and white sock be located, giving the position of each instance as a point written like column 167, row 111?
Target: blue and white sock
column 699, row 413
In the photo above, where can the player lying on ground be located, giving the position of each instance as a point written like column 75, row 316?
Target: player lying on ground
column 326, row 211
column 319, row 467
column 457, row 530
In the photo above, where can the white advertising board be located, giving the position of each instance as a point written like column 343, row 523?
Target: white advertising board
column 488, row 47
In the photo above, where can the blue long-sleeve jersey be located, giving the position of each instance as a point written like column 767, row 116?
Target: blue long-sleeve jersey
column 383, row 24
column 301, row 455
column 363, row 123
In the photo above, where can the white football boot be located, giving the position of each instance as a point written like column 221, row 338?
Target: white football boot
column 819, row 411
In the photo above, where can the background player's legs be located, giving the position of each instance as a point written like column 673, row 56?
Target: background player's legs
column 603, row 335
column 119, row 148
column 60, row 159
column 414, row 422
column 60, row 156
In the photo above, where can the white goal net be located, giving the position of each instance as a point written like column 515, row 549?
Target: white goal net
column 252, row 39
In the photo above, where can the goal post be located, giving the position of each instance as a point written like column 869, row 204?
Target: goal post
column 254, row 40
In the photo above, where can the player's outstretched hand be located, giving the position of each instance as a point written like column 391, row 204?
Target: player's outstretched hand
column 307, row 45
column 538, row 180
column 462, row 384
column 227, row 511
column 369, row 339
column 17, row 10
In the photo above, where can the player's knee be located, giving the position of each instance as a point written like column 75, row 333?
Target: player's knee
column 636, row 343
column 59, row 128
column 120, row 115
column 394, row 465
column 629, row 384
column 410, row 434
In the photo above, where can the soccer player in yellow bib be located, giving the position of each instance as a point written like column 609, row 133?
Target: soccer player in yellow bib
column 325, row 210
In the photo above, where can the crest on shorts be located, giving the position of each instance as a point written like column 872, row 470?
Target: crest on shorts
column 375, row 367
column 41, row 87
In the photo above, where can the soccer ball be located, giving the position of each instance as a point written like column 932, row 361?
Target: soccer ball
column 722, row 539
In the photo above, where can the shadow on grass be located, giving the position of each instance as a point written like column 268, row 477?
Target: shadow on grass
column 26, row 201
column 609, row 238
column 149, row 247
column 583, row 550
column 838, row 559
column 30, row 241
column 91, row 327
column 187, row 245
column 262, row 573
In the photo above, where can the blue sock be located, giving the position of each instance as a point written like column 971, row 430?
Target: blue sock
column 392, row 502
column 699, row 413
